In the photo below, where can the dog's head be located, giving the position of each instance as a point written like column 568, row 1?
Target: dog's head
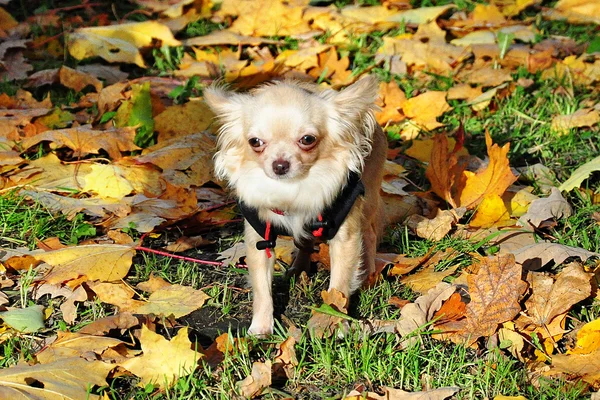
column 289, row 131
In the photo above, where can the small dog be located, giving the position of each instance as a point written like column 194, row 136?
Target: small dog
column 308, row 163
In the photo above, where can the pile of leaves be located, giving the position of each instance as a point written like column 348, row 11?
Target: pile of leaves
column 131, row 151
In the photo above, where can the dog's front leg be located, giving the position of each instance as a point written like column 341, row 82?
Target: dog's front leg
column 260, row 268
column 345, row 250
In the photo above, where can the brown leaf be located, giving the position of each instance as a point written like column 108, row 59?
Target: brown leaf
column 453, row 309
column 260, row 379
column 552, row 207
column 68, row 77
column 285, row 358
column 550, row 297
column 183, row 120
column 84, row 140
column 443, row 170
column 495, row 292
column 586, row 366
column 435, row 228
column 537, row 255
column 185, row 243
column 103, row 326
column 330, row 67
column 427, row 278
column 324, row 325
column 391, row 99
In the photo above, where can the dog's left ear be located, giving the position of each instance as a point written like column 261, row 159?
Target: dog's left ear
column 357, row 99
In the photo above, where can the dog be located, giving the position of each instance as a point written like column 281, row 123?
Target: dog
column 306, row 162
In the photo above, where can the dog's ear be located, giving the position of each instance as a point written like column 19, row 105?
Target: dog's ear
column 226, row 105
column 357, row 99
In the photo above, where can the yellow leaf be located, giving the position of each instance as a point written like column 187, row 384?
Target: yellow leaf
column 519, row 202
column 391, row 99
column 420, row 15
column 421, row 149
column 162, row 360
column 183, row 120
column 494, row 179
column 577, row 11
column 588, row 338
column 7, row 21
column 502, row 397
column 97, row 262
column 107, row 182
column 265, row 17
column 580, row 118
column 119, row 43
column 491, row 212
column 425, row 108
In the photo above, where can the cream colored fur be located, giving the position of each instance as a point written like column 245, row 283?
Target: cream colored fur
column 347, row 139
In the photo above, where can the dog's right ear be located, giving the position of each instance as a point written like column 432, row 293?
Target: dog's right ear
column 226, row 105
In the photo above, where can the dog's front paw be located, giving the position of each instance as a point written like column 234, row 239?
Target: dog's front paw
column 261, row 327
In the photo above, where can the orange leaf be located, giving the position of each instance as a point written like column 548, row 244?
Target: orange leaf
column 494, row 179
column 443, row 169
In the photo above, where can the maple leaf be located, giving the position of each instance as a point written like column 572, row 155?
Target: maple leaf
column 435, row 228
column 183, row 120
column 391, row 99
column 84, row 140
column 494, row 179
column 118, row 43
column 495, row 292
column 492, row 211
column 333, row 68
column 115, row 181
column 153, row 367
column 96, row 262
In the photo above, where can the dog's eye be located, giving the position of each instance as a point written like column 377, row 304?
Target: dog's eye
column 255, row 142
column 307, row 141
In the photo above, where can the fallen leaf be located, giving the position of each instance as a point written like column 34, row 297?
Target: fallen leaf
column 265, row 18
column 333, row 68
column 286, row 357
column 322, row 324
column 586, row 366
column 185, row 243
column 552, row 207
column 68, row 307
column 421, row 15
column 27, row 320
column 421, row 149
column 453, row 309
column 491, row 212
column 588, row 338
column 137, row 112
column 399, row 394
column 226, row 37
column 97, row 262
column 152, row 367
column 85, row 140
column 390, row 101
column 443, row 170
column 436, row 228
column 118, row 43
column 183, row 120
column 103, row 326
column 580, row 174
column 414, row 316
column 68, row 77
column 68, row 345
column 260, row 379
column 185, row 161
column 68, row 378
column 495, row 293
column 551, row 298
column 115, row 181
column 586, row 117
column 425, row 108
column 537, row 255
column 177, row 300
column 494, row 179
column 576, row 11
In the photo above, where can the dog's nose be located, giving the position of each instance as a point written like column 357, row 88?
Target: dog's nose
column 281, row 167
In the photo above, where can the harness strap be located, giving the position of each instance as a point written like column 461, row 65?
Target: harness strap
column 326, row 226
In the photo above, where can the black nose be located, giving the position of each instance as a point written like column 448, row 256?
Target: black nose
column 281, row 167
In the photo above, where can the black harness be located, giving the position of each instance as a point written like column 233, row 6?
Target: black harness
column 327, row 226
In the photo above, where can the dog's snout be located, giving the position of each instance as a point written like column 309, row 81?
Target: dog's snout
column 281, row 166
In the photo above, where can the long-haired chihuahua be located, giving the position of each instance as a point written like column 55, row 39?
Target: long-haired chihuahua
column 308, row 163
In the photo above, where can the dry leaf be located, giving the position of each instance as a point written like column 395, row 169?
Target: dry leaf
column 84, row 140
column 495, row 292
column 443, row 170
column 115, row 181
column 69, row 345
column 183, row 120
column 552, row 207
column 398, row 394
column 453, row 309
column 97, row 262
column 586, row 366
column 576, row 11
column 324, row 325
column 153, row 367
column 436, row 228
column 580, row 118
column 265, row 17
column 537, row 255
column 286, row 357
column 580, row 174
column 421, row 149
column 428, row 277
column 491, row 212
column 551, row 298
column 118, row 43
column 102, row 326
column 70, row 377
column 588, row 338
column 494, row 179
column 424, row 109
column 391, row 99
column 260, row 379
